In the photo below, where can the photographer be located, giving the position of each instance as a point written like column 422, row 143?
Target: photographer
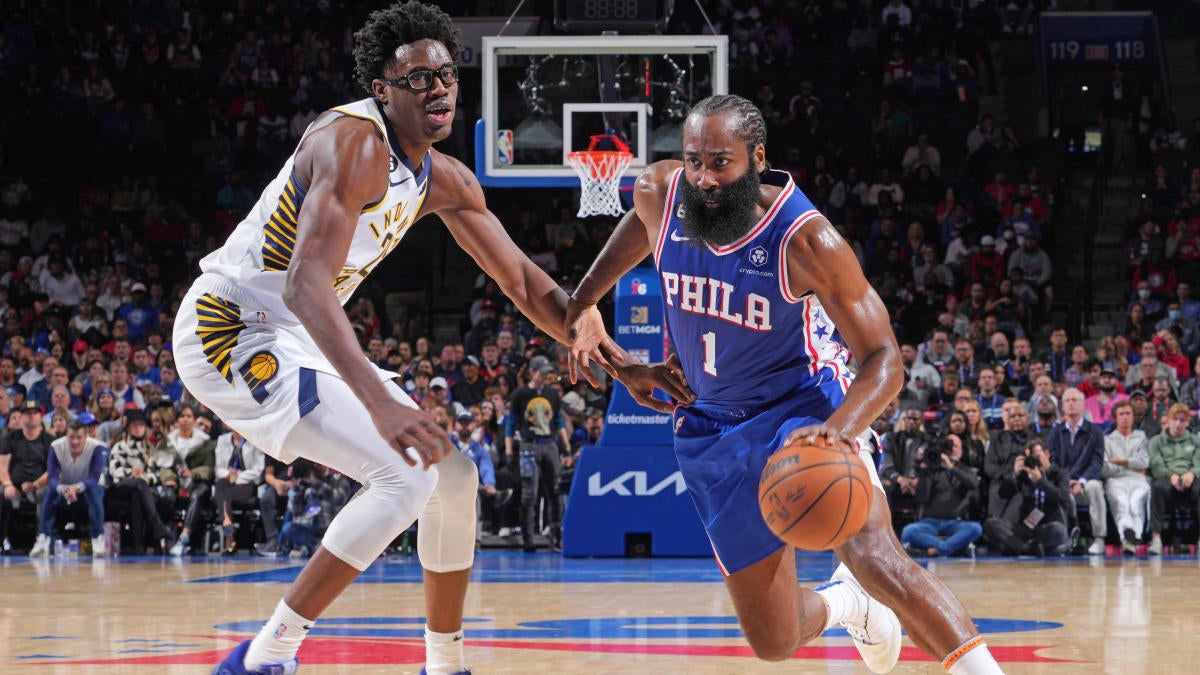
column 944, row 492
column 1038, row 526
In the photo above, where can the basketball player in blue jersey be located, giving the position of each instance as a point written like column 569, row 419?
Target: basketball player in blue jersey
column 765, row 304
column 262, row 338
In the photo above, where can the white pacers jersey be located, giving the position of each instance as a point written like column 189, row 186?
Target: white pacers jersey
column 257, row 255
column 238, row 348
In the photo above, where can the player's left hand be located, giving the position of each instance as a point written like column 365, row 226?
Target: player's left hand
column 641, row 380
column 588, row 340
column 823, row 434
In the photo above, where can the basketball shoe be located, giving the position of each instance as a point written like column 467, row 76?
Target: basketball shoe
column 234, row 664
column 877, row 633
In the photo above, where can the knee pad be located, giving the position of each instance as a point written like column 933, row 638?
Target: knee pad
column 446, row 536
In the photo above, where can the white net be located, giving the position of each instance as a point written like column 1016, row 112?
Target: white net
column 600, row 174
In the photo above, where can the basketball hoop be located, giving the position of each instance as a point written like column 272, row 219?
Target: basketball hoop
column 600, row 174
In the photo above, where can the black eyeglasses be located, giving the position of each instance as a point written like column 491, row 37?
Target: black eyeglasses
column 422, row 78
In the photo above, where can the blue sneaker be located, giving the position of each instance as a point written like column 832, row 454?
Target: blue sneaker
column 461, row 672
column 233, row 664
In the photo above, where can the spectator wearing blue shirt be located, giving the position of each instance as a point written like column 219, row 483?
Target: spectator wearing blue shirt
column 138, row 313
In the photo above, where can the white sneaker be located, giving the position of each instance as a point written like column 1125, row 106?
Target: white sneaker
column 41, row 546
column 877, row 634
column 99, row 547
column 1097, row 547
column 178, row 547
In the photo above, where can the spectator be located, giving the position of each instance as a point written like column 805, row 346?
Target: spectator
column 277, row 483
column 946, row 488
column 198, row 455
column 923, row 379
column 1171, row 354
column 1174, row 465
column 1126, row 459
column 317, row 497
column 74, row 469
column 494, row 487
column 138, row 313
column 902, row 451
column 1035, row 267
column 23, row 465
column 1077, row 445
column 1034, row 518
column 991, row 403
column 535, row 435
column 1007, row 444
column 133, row 479
column 239, row 469
column 1100, row 406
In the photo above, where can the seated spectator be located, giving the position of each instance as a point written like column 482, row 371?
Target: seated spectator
column 902, row 448
column 1077, row 445
column 1006, row 445
column 239, row 469
column 946, row 488
column 495, row 487
column 990, row 401
column 1100, row 406
column 74, row 469
column 317, row 497
column 1126, row 459
column 133, row 479
column 1171, row 354
column 277, row 483
column 1035, row 522
column 23, row 460
column 1174, row 465
column 198, row 453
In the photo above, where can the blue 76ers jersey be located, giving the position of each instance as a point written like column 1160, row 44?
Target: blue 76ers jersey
column 744, row 339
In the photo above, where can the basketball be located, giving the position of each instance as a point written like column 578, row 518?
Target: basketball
column 814, row 497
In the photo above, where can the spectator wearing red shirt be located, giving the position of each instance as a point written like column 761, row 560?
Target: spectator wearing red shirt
column 986, row 265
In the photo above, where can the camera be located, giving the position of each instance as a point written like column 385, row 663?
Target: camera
column 1032, row 462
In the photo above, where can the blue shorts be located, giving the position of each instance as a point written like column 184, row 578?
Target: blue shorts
column 721, row 456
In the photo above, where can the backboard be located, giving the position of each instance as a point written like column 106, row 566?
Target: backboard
column 544, row 97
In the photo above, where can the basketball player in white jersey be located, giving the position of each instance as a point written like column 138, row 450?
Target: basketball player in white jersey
column 262, row 338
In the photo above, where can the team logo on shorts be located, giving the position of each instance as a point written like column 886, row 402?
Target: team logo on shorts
column 257, row 371
column 679, row 422
column 758, row 256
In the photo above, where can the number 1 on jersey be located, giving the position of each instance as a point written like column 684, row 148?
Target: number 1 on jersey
column 710, row 353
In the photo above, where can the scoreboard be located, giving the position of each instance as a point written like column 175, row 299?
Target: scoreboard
column 1098, row 37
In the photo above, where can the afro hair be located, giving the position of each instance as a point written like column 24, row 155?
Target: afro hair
column 387, row 29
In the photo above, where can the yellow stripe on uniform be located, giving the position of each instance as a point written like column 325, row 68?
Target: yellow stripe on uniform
column 279, row 234
column 218, row 329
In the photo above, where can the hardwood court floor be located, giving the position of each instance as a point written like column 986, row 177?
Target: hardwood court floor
column 543, row 614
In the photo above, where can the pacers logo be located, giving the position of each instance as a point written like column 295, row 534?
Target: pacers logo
column 260, row 369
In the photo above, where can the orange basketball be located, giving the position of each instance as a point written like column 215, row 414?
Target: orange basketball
column 814, row 497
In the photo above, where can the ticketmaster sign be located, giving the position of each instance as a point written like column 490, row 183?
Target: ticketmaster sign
column 638, row 326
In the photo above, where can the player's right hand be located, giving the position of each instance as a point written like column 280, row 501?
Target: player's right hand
column 11, row 492
column 411, row 431
column 587, row 339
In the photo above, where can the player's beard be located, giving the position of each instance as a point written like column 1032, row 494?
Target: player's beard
column 727, row 222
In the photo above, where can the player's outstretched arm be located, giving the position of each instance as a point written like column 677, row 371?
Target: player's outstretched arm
column 630, row 243
column 456, row 197
column 820, row 261
column 346, row 165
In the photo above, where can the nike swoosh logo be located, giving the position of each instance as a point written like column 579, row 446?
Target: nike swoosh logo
column 401, row 182
column 675, row 236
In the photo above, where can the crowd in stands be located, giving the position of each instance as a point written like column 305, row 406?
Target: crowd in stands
column 159, row 123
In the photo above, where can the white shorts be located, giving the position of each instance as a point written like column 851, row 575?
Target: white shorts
column 259, row 377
